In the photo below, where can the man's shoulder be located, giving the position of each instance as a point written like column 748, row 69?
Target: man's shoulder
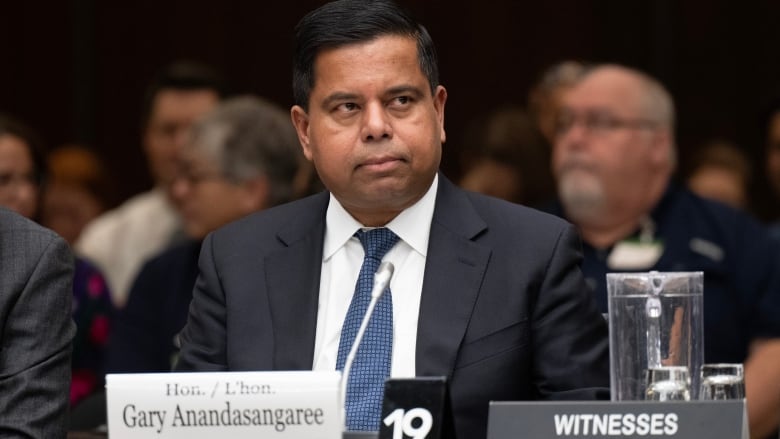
column 28, row 249
column 293, row 217
column 500, row 212
column 701, row 215
column 501, row 225
column 713, row 236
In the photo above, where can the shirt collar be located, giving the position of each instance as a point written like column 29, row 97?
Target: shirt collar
column 340, row 226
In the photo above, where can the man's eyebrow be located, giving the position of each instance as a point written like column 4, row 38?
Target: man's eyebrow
column 405, row 89
column 337, row 97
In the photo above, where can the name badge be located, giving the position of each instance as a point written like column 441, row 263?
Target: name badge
column 289, row 405
column 634, row 255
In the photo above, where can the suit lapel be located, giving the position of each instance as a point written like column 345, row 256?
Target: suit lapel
column 454, row 269
column 293, row 283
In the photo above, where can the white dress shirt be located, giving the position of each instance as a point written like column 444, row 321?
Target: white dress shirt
column 341, row 261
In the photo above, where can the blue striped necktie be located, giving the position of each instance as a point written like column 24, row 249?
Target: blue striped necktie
column 365, row 389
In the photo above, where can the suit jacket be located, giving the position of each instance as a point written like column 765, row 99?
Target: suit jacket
column 504, row 313
column 36, row 275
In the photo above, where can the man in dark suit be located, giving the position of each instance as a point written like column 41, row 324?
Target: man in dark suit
column 485, row 292
column 36, row 329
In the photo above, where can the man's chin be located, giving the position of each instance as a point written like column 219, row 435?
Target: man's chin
column 582, row 198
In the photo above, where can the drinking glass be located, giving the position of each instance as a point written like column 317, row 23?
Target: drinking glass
column 722, row 381
column 668, row 383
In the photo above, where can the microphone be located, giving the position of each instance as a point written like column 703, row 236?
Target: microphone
column 381, row 280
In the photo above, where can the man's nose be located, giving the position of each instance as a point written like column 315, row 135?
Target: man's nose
column 376, row 123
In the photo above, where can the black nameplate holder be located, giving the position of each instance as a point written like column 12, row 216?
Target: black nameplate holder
column 416, row 408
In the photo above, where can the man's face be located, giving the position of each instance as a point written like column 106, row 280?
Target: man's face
column 607, row 149
column 173, row 113
column 719, row 183
column 773, row 153
column 373, row 129
column 206, row 199
column 68, row 208
column 18, row 188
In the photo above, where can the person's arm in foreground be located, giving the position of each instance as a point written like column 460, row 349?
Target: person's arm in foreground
column 37, row 331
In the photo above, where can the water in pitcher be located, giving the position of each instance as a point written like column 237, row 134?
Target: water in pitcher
column 653, row 324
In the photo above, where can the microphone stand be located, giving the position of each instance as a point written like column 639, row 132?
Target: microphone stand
column 381, row 280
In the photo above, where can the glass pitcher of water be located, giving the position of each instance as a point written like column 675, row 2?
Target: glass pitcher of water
column 655, row 322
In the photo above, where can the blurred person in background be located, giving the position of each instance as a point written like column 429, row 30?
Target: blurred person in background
column 507, row 158
column 120, row 240
column 544, row 98
column 78, row 191
column 613, row 158
column 22, row 167
column 242, row 157
column 721, row 171
column 769, row 207
column 23, row 176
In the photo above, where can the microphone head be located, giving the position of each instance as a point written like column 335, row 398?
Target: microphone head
column 382, row 277
column 386, row 266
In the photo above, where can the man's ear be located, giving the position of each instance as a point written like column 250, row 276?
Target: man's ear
column 664, row 152
column 300, row 120
column 439, row 100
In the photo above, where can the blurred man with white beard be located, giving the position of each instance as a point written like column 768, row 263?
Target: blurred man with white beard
column 613, row 159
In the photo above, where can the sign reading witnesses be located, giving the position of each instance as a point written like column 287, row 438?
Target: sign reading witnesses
column 287, row 405
column 624, row 419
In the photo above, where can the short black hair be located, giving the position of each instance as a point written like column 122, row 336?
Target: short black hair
column 182, row 75
column 343, row 22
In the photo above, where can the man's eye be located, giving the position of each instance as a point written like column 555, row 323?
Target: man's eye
column 601, row 122
column 348, row 106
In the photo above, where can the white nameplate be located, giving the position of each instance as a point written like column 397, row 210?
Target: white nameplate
column 287, row 405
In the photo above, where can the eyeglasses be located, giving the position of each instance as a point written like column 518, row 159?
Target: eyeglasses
column 598, row 122
column 195, row 177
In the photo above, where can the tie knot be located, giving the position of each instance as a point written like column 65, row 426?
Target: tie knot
column 377, row 242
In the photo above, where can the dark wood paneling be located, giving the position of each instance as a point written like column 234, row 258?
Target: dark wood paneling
column 76, row 70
